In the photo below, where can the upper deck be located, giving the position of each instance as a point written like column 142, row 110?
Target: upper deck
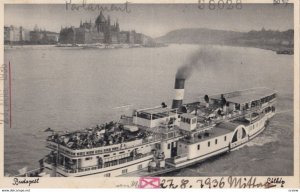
column 162, row 123
column 105, row 138
column 247, row 96
column 154, row 117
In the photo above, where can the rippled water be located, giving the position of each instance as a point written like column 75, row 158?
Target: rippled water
column 70, row 89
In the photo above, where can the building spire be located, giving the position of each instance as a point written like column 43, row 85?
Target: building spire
column 117, row 26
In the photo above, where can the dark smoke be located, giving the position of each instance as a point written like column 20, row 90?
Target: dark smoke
column 198, row 61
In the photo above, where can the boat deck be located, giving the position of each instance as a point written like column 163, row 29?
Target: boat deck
column 246, row 96
column 215, row 132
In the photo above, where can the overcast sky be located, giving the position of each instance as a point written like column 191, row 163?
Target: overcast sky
column 156, row 20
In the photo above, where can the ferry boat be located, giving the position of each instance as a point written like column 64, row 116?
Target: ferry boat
column 157, row 140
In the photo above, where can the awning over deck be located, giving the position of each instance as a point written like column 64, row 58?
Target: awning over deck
column 245, row 96
column 156, row 110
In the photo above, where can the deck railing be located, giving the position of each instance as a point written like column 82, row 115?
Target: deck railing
column 67, row 168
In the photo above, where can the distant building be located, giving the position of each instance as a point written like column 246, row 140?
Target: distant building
column 25, row 35
column 52, row 37
column 38, row 36
column 140, row 39
column 131, row 37
column 123, row 37
column 19, row 35
column 12, row 34
column 99, row 31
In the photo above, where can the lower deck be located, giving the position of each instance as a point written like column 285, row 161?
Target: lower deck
column 179, row 162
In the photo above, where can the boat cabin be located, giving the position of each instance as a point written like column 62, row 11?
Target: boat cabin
column 245, row 100
column 157, row 116
column 188, row 122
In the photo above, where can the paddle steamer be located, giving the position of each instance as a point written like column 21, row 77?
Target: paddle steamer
column 162, row 139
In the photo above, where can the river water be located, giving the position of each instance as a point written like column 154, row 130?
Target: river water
column 71, row 89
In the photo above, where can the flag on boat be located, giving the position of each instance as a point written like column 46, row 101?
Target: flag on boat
column 23, row 170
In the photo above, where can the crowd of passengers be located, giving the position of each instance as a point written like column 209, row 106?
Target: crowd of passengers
column 103, row 135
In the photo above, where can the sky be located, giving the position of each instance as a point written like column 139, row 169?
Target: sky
column 155, row 19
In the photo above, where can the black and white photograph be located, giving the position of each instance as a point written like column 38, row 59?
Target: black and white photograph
column 149, row 89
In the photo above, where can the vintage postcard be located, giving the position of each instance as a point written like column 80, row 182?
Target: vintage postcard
column 146, row 94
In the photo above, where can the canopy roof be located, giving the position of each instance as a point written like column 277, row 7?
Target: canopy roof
column 156, row 110
column 246, row 96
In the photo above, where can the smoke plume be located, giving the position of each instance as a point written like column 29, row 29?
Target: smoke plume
column 198, row 61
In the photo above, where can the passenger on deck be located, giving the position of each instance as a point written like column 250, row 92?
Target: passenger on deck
column 163, row 105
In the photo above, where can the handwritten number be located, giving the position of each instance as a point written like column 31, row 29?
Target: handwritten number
column 216, row 183
column 162, row 184
column 184, row 182
column 221, row 183
column 171, row 185
column 208, row 182
column 201, row 183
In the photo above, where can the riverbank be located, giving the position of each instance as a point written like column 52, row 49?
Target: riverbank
column 84, row 46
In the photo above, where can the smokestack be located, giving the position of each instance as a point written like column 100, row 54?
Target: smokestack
column 179, row 93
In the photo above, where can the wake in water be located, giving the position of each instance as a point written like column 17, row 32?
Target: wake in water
column 262, row 140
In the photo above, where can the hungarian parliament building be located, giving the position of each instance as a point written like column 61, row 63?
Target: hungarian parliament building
column 101, row 31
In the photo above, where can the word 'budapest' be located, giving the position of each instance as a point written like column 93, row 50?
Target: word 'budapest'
column 25, row 181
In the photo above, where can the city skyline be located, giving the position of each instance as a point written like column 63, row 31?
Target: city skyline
column 155, row 19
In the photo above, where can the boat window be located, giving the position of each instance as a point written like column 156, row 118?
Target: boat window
column 98, row 151
column 188, row 121
column 169, row 146
column 208, row 144
column 124, row 171
column 107, row 164
column 144, row 116
column 216, row 141
column 107, row 175
column 198, row 147
column 157, row 146
column 170, row 135
column 194, row 121
column 225, row 138
column 90, row 152
column 140, row 166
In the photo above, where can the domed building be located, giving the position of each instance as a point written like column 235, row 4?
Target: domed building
column 101, row 31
